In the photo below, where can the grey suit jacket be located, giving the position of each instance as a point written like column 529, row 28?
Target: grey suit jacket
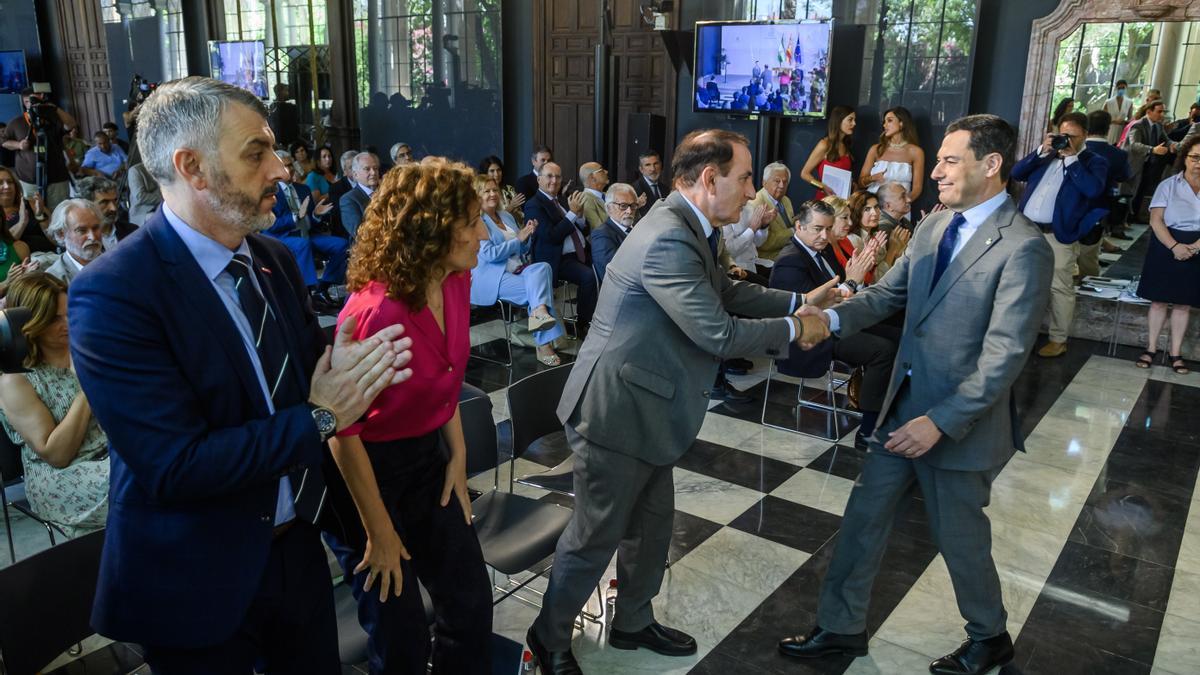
column 353, row 205
column 63, row 269
column 661, row 327
column 967, row 338
column 144, row 194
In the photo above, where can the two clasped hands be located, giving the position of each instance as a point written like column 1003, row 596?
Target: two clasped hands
column 917, row 436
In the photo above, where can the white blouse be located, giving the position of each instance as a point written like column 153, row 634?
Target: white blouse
column 1180, row 203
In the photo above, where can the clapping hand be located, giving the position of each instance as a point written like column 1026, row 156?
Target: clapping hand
column 937, row 207
column 575, row 201
column 323, row 207
column 351, row 374
column 36, row 202
column 526, row 232
column 517, row 201
column 303, row 208
column 641, row 200
column 761, row 215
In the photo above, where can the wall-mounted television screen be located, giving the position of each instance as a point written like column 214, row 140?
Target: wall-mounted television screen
column 762, row 68
column 240, row 63
column 13, row 76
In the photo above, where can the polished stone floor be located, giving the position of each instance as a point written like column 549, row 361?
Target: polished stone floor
column 1096, row 531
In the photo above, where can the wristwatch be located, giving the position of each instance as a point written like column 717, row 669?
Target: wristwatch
column 325, row 420
column 852, row 285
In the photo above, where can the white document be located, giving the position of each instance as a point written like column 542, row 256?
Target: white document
column 837, row 179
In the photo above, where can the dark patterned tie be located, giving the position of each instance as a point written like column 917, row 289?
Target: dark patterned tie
column 945, row 249
column 283, row 385
column 576, row 237
column 713, row 240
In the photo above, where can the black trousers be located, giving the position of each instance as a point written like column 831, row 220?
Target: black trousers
column 570, row 269
column 875, row 354
column 290, row 626
column 446, row 558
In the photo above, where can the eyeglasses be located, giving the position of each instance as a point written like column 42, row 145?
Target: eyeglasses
column 1192, row 158
column 624, row 206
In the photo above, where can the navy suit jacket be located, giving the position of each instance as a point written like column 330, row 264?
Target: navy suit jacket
column 526, row 185
column 1075, row 210
column 195, row 457
column 796, row 271
column 553, row 228
column 640, row 187
column 1118, row 163
column 353, row 206
column 606, row 239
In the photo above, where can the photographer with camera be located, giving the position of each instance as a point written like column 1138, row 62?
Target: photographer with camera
column 36, row 138
column 1064, row 185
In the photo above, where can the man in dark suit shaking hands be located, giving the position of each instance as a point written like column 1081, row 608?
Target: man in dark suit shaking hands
column 639, row 391
column 203, row 362
column 975, row 280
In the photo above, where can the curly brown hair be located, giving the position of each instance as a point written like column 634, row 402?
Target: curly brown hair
column 408, row 228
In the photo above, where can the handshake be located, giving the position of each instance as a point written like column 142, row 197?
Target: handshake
column 813, row 323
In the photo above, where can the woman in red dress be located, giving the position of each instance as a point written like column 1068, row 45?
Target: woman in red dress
column 405, row 460
column 833, row 150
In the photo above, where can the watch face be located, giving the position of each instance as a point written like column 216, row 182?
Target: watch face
column 326, row 422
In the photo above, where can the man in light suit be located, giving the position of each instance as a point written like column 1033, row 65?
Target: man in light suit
column 594, row 179
column 975, row 280
column 776, row 177
column 210, row 558
column 620, row 202
column 353, row 204
column 639, row 392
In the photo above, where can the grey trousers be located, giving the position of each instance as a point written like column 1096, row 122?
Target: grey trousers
column 954, row 502
column 622, row 504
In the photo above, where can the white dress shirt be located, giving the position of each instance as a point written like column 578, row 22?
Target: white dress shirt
column 1040, row 207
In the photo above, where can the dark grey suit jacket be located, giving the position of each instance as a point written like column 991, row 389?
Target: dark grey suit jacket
column 353, row 205
column 662, row 325
column 967, row 338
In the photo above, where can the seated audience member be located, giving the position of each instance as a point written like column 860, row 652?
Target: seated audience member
column 78, row 226
column 110, row 129
column 23, row 218
column 1170, row 276
column 401, row 153
column 864, row 225
column 510, row 200
column 344, row 184
column 594, row 179
column 405, row 461
column 103, row 193
column 649, row 184
column 776, row 177
column 895, row 207
column 527, row 185
column 801, row 268
column 14, row 260
column 104, row 158
column 502, row 273
column 842, row 244
column 324, row 174
column 144, row 194
column 75, row 148
column 561, row 237
column 742, row 238
column 295, row 227
column 353, row 204
column 302, row 154
column 45, row 413
column 620, row 203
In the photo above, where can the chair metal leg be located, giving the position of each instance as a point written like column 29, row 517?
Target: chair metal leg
column 834, row 412
column 12, row 549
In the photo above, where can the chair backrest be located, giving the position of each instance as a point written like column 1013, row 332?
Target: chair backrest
column 532, row 403
column 46, row 603
column 479, row 431
column 11, row 467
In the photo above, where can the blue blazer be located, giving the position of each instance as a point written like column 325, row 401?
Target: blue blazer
column 494, row 252
column 195, row 457
column 606, row 239
column 353, row 205
column 1118, row 162
column 553, row 228
column 285, row 222
column 1075, row 209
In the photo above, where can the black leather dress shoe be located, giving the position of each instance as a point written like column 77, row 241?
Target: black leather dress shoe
column 728, row 394
column 820, row 642
column 975, row 657
column 551, row 663
column 738, row 366
column 861, row 442
column 655, row 637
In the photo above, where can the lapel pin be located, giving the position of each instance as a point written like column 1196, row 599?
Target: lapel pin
column 267, row 271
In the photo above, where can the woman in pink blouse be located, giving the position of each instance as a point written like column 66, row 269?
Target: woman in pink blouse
column 405, row 460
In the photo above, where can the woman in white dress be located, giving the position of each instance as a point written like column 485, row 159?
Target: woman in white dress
column 897, row 157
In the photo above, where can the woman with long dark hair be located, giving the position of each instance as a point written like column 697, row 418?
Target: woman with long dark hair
column 323, row 175
column 832, row 150
column 898, row 157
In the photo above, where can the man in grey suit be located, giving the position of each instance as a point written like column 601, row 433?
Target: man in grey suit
column 353, row 204
column 976, row 281
column 639, row 391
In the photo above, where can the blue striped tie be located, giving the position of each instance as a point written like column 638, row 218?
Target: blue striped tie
column 945, row 249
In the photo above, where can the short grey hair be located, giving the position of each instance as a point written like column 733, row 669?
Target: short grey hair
column 88, row 187
column 347, row 160
column 770, row 169
column 186, row 113
column 360, row 158
column 615, row 189
column 890, row 190
column 587, row 169
column 58, row 219
column 396, row 149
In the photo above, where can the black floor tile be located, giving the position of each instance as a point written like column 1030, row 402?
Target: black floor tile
column 1079, row 624
column 1042, row 381
column 1126, row 524
column 748, row 470
column 492, row 376
column 1095, row 572
column 788, row 523
column 701, row 454
column 688, row 533
column 1037, row 655
column 840, row 460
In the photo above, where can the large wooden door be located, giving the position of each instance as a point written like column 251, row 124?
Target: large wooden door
column 82, row 32
column 564, row 68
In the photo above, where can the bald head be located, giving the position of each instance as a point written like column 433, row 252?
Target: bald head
column 593, row 175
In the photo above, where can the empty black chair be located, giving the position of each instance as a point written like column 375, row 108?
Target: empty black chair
column 515, row 532
column 532, row 402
